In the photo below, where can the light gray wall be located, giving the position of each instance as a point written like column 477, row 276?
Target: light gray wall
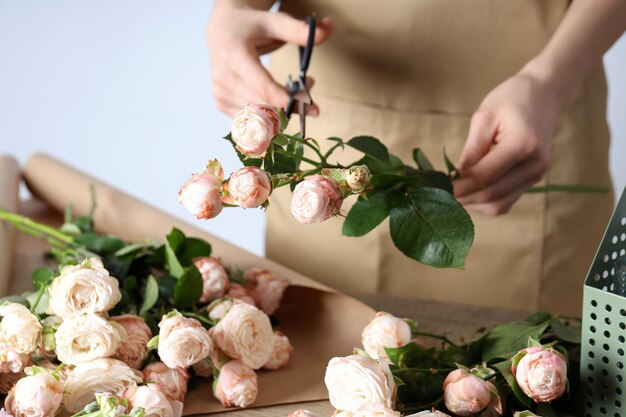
column 120, row 89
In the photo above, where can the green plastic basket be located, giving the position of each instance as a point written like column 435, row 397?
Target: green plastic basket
column 604, row 326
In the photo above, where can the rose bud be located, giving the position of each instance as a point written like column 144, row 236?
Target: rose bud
column 541, row 373
column 253, row 129
column 11, row 360
column 172, row 382
column 315, row 199
column 355, row 380
column 35, row 396
column 218, row 308
column 465, row 394
column 385, row 330
column 133, row 350
column 375, row 410
column 183, row 341
column 267, row 288
column 248, row 187
column 281, row 351
column 201, row 195
column 358, row 177
column 496, row 405
column 153, row 401
column 8, row 380
column 86, row 338
column 83, row 288
column 100, row 375
column 214, row 278
column 236, row 385
column 302, row 413
column 203, row 368
column 19, row 327
column 245, row 333
column 239, row 292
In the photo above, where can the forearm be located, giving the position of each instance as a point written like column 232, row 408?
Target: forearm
column 587, row 31
column 252, row 4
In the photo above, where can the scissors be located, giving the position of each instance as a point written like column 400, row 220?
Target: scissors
column 297, row 89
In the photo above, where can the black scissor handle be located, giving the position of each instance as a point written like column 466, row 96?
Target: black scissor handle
column 299, row 84
column 307, row 51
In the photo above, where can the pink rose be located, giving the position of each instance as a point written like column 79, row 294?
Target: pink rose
column 218, row 308
column 201, row 194
column 236, row 385
column 171, row 381
column 11, row 360
column 315, row 199
column 239, row 292
column 4, row 413
column 133, row 349
column 153, row 401
column 541, row 374
column 214, row 278
column 183, row 341
column 253, row 129
column 248, row 187
column 465, row 394
column 268, row 288
column 35, row 396
column 385, row 331
column 203, row 368
column 281, row 351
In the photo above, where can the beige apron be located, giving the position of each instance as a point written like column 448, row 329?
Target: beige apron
column 412, row 72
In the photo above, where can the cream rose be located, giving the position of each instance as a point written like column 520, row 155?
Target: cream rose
column 201, row 195
column 355, row 380
column 541, row 374
column 253, row 129
column 11, row 360
column 203, row 368
column 183, row 341
column 236, row 385
column 281, row 351
column 248, row 187
column 83, row 288
column 245, row 333
column 100, row 375
column 20, row 327
column 86, row 338
column 315, row 200
column 375, row 410
column 465, row 394
column 385, row 330
column 153, row 401
column 171, row 381
column 133, row 350
column 35, row 396
column 239, row 292
column 267, row 288
column 214, row 278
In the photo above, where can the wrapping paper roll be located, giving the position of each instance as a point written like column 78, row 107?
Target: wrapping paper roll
column 9, row 200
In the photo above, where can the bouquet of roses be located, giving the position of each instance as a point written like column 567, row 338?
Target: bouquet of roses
column 425, row 221
column 134, row 322
column 514, row 369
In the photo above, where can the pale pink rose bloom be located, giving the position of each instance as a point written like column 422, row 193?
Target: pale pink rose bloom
column 133, row 349
column 171, row 381
column 428, row 413
column 4, row 413
column 385, row 330
column 496, row 405
column 267, row 288
column 183, row 341
column 153, row 401
column 203, row 368
column 214, row 278
column 248, row 187
column 236, row 385
column 7, row 380
column 35, row 396
column 375, row 410
column 253, row 129
column 541, row 374
column 465, row 394
column 239, row 292
column 11, row 360
column 245, row 333
column 218, row 308
column 281, row 351
column 302, row 413
column 201, row 194
column 315, row 199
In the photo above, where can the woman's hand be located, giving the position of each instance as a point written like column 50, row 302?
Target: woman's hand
column 237, row 35
column 508, row 145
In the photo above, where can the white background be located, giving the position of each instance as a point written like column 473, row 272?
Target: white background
column 121, row 90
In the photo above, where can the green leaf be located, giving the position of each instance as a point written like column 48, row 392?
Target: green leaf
column 565, row 332
column 18, row 299
column 430, row 226
column 546, row 410
column 421, row 160
column 412, row 355
column 436, row 179
column 42, row 305
column 284, row 120
column 506, row 339
column 370, row 146
column 150, row 295
column 194, row 248
column 538, row 318
column 173, row 264
column 365, row 215
column 176, row 239
column 42, row 277
column 280, row 139
column 505, row 370
column 452, row 171
column 153, row 343
column 188, row 288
